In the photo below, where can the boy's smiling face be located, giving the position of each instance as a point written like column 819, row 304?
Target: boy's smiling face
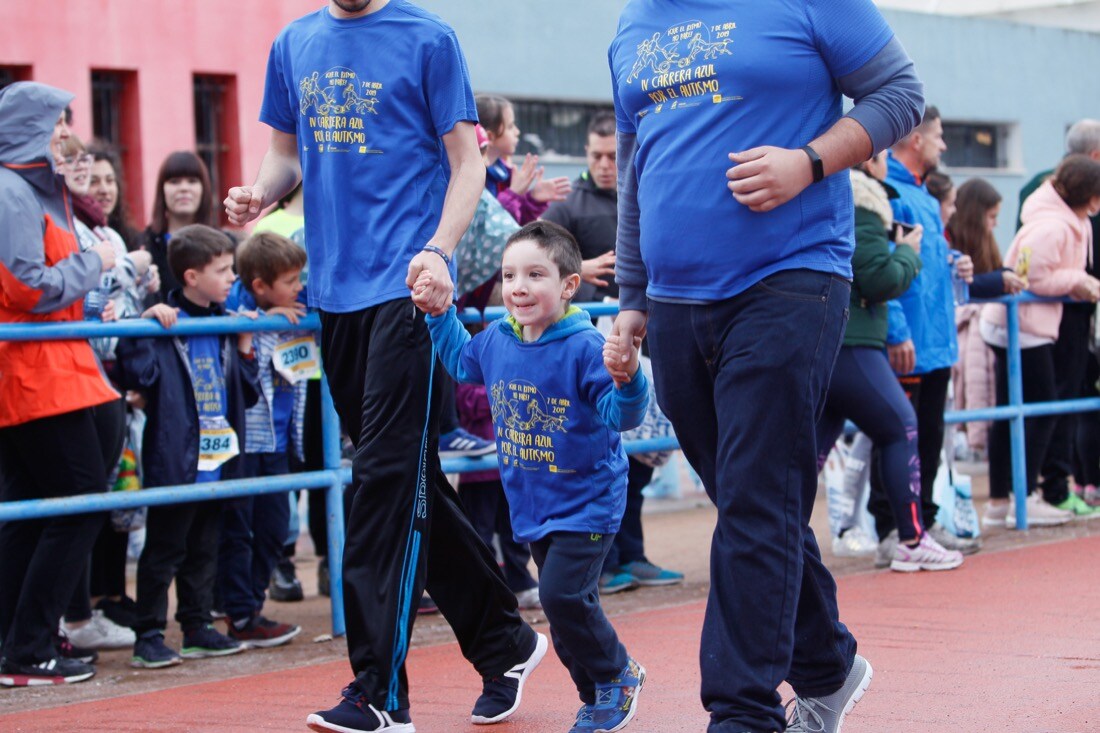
column 282, row 293
column 534, row 291
column 211, row 284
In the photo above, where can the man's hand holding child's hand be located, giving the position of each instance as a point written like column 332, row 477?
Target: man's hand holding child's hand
column 622, row 370
column 165, row 314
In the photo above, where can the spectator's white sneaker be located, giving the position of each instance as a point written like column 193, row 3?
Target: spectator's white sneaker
column 1039, row 513
column 927, row 555
column 884, row 555
column 855, row 542
column 100, row 633
column 995, row 515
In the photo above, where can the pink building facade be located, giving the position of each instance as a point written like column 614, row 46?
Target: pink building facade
column 154, row 76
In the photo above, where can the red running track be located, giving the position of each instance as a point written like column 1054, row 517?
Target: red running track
column 1009, row 643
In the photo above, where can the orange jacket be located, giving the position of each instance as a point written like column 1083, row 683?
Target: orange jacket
column 43, row 274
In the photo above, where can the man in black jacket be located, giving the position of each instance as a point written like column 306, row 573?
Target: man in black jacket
column 590, row 214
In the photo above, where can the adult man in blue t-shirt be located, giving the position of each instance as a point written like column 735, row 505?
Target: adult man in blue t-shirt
column 745, row 297
column 370, row 105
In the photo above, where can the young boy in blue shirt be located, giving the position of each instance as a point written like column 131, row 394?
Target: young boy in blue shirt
column 255, row 528
column 197, row 389
column 557, row 414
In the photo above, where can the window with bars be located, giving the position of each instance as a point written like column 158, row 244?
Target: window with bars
column 116, row 120
column 554, row 130
column 12, row 74
column 977, row 144
column 217, row 136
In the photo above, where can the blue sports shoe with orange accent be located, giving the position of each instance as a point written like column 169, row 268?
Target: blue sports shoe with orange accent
column 616, row 702
column 355, row 714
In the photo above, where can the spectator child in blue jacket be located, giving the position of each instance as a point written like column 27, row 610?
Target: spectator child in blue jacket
column 557, row 414
column 197, row 389
column 255, row 528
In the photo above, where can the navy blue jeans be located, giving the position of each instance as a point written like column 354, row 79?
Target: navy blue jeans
column 569, row 566
column 743, row 381
column 253, row 533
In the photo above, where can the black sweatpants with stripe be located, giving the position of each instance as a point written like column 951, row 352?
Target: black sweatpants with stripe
column 405, row 527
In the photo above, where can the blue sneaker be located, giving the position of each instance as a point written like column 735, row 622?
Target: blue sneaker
column 460, row 444
column 206, row 641
column 616, row 702
column 648, row 574
column 500, row 696
column 150, row 652
column 616, row 582
column 355, row 714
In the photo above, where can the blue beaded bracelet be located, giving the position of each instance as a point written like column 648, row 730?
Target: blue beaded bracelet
column 438, row 251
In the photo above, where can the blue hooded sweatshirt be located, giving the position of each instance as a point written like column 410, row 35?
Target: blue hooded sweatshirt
column 557, row 417
column 925, row 313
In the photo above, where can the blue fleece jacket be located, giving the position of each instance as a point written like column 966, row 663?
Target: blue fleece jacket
column 557, row 417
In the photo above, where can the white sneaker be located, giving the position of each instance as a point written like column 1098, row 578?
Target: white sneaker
column 100, row 633
column 995, row 515
column 927, row 555
column 529, row 599
column 855, row 542
column 1039, row 513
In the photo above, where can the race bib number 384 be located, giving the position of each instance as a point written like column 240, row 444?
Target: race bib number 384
column 217, row 443
column 296, row 360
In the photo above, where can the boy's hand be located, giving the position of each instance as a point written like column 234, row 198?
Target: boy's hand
column 109, row 312
column 420, row 290
column 620, row 357
column 165, row 314
column 292, row 313
column 436, row 296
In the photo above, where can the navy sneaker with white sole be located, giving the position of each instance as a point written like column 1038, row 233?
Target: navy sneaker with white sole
column 354, row 714
column 57, row 671
column 501, row 696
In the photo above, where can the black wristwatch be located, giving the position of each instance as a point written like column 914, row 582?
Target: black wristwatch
column 815, row 162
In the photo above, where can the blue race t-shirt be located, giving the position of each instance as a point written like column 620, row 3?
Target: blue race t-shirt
column 698, row 79
column 369, row 99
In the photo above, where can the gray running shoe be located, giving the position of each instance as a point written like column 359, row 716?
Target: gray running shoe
column 826, row 714
column 965, row 545
column 884, row 555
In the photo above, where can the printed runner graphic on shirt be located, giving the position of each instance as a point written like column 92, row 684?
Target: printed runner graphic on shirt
column 337, row 104
column 526, row 422
column 675, row 68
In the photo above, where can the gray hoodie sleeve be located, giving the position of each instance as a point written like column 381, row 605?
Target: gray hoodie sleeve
column 630, row 272
column 888, row 95
column 27, row 283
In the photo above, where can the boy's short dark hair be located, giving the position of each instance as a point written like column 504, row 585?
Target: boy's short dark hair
column 268, row 256
column 1077, row 180
column 195, row 246
column 556, row 241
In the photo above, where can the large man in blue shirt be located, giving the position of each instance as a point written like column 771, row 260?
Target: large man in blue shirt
column 370, row 105
column 745, row 297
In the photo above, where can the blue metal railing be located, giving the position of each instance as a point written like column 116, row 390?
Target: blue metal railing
column 333, row 477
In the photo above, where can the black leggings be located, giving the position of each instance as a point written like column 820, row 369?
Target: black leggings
column 62, row 455
column 1040, row 385
column 865, row 390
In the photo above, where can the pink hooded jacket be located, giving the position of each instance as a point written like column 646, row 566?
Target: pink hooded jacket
column 1059, row 241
